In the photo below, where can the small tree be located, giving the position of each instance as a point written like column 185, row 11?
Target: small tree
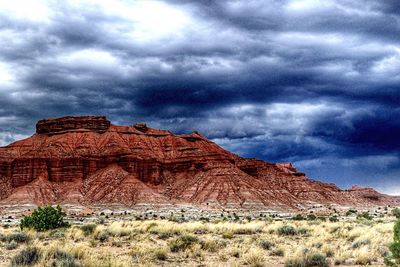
column 394, row 259
column 43, row 219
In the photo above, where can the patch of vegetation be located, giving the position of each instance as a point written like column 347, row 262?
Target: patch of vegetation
column 88, row 229
column 43, row 219
column 360, row 243
column 396, row 213
column 26, row 257
column 311, row 217
column 182, row 243
column 290, row 230
column 19, row 237
column 313, row 260
column 11, row 245
column 394, row 259
column 364, row 215
column 265, row 244
column 103, row 236
column 64, row 259
column 287, row 230
column 298, row 217
column 227, row 235
column 254, row 258
column 334, row 218
column 161, row 254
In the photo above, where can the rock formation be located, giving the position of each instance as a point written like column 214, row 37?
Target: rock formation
column 89, row 161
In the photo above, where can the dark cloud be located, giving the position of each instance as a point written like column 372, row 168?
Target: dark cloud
column 315, row 83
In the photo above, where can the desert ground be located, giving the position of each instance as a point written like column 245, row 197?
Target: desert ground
column 147, row 239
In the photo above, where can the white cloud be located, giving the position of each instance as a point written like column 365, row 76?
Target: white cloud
column 35, row 11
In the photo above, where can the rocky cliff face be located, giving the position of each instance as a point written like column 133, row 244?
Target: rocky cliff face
column 88, row 160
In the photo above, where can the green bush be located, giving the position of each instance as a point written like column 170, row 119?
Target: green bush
column 287, row 230
column 311, row 217
column 26, row 257
column 182, row 243
column 365, row 215
column 394, row 258
column 396, row 213
column 334, row 218
column 298, row 217
column 43, row 219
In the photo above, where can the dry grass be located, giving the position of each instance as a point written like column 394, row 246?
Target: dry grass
column 167, row 243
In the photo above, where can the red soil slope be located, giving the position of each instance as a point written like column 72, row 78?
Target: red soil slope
column 87, row 160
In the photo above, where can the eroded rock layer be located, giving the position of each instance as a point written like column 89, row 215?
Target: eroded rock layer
column 87, row 160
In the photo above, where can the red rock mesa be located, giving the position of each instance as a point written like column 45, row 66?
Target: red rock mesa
column 87, row 160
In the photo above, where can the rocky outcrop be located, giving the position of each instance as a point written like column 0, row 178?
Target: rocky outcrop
column 89, row 161
column 93, row 123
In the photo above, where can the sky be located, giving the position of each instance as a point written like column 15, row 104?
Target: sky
column 315, row 83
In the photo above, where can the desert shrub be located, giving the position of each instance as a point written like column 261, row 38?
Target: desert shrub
column 64, row 259
column 311, row 217
column 182, row 243
column 360, row 243
column 394, row 258
column 88, row 229
column 11, row 245
column 302, row 231
column 334, row 218
column 161, row 254
column 298, row 217
column 287, row 230
column 43, row 219
column 103, row 236
column 265, row 244
column 364, row 215
column 396, row 213
column 313, row 260
column 19, row 237
column 26, row 257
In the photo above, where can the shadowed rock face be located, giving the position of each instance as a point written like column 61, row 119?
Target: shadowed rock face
column 87, row 160
column 93, row 123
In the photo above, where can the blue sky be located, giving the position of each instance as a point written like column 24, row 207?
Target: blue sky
column 316, row 83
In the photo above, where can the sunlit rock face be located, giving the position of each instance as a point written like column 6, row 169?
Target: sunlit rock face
column 87, row 160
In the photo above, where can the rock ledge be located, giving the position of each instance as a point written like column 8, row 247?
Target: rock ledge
column 98, row 124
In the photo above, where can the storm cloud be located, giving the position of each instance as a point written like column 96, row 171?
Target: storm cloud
column 313, row 82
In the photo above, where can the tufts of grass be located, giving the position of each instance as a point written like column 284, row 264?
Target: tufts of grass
column 161, row 254
column 11, row 245
column 88, row 229
column 182, row 243
column 254, row 258
column 26, row 257
column 309, row 260
column 19, row 237
column 62, row 258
